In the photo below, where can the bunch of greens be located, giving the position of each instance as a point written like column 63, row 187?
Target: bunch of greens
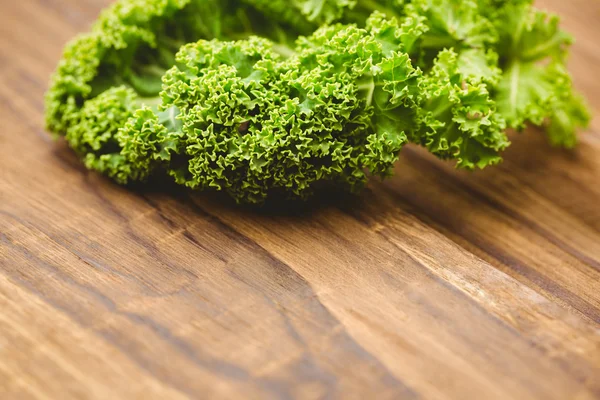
column 254, row 97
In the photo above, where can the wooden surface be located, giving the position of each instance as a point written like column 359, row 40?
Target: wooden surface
column 435, row 284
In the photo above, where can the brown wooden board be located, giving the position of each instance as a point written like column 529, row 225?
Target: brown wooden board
column 435, row 284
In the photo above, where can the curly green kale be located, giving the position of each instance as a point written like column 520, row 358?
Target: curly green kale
column 228, row 96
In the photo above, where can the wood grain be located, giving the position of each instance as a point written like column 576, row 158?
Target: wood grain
column 436, row 284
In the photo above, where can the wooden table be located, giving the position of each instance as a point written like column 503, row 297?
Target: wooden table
column 435, row 284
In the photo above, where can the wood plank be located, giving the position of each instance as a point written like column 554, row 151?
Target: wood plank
column 48, row 350
column 434, row 284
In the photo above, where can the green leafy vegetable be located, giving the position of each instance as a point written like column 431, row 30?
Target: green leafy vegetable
column 253, row 97
column 536, row 87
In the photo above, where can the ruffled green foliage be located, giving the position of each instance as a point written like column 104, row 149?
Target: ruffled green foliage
column 216, row 94
column 536, row 87
column 459, row 117
column 134, row 42
column 253, row 122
